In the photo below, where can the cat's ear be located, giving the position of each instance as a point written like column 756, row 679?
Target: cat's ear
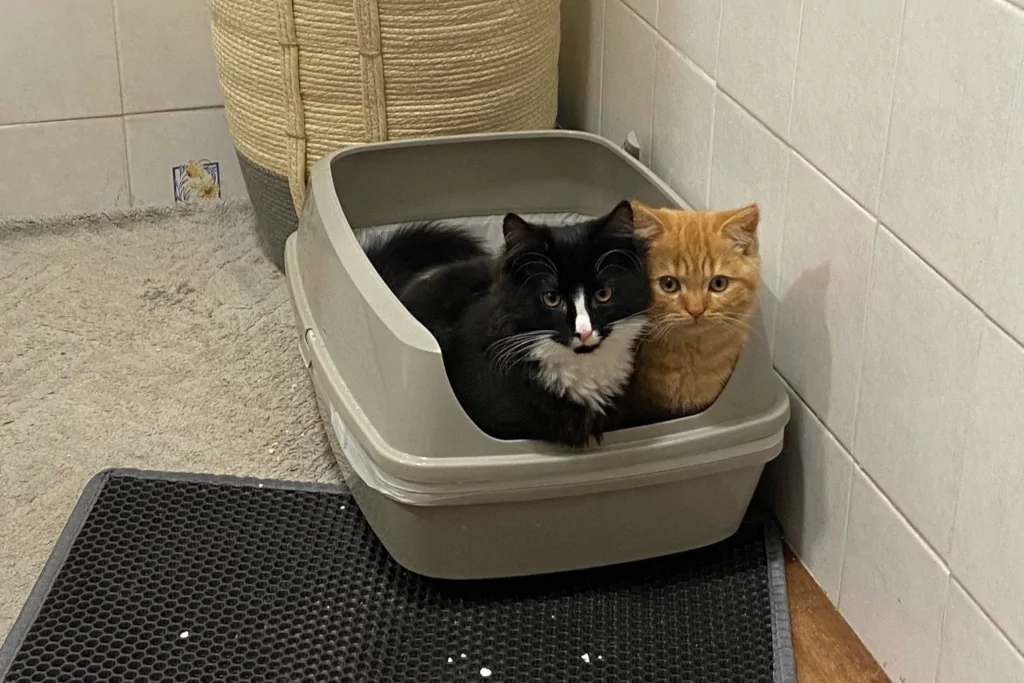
column 645, row 222
column 618, row 221
column 517, row 231
column 740, row 227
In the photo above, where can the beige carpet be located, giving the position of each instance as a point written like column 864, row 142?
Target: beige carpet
column 156, row 339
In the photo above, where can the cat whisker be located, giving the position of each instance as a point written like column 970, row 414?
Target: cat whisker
column 657, row 328
column 509, row 351
column 610, row 266
column 531, row 258
column 632, row 257
column 523, row 284
column 630, row 319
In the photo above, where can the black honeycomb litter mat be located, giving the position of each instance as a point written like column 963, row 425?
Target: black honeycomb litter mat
column 190, row 578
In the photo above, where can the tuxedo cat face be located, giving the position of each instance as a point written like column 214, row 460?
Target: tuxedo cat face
column 576, row 297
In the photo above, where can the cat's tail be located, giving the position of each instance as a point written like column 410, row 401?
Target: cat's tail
column 403, row 254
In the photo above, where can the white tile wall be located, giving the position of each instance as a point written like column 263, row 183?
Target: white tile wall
column 947, row 143
column 166, row 55
column 894, row 587
column 692, row 27
column 826, row 254
column 843, row 85
column 57, row 60
column 627, row 87
column 1002, row 265
column 63, row 167
column 916, row 388
column 70, row 72
column 757, row 57
column 810, row 484
column 988, row 549
column 751, row 165
column 159, row 142
column 973, row 649
column 684, row 103
column 884, row 141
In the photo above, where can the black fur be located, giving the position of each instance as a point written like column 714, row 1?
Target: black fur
column 407, row 252
column 472, row 302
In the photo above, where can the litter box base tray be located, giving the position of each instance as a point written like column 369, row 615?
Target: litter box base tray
column 173, row 577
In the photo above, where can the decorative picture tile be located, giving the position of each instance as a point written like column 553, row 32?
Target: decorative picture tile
column 182, row 156
column 196, row 180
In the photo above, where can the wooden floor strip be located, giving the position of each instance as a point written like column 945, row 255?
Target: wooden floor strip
column 827, row 649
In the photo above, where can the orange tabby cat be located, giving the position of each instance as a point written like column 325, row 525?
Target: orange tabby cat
column 704, row 269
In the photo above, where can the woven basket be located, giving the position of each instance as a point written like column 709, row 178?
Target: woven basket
column 303, row 78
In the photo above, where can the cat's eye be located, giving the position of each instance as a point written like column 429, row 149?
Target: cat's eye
column 718, row 283
column 603, row 295
column 551, row 299
column 668, row 284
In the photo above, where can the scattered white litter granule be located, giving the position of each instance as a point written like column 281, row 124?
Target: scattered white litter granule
column 259, row 486
column 450, row 660
column 270, row 450
column 463, row 655
column 342, row 507
column 485, row 672
column 600, row 657
column 585, row 657
column 183, row 634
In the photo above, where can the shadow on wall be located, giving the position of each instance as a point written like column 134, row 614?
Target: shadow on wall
column 794, row 485
column 575, row 62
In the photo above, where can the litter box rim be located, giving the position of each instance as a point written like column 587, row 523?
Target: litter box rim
column 671, row 450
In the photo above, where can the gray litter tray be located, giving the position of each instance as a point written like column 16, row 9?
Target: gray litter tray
column 446, row 499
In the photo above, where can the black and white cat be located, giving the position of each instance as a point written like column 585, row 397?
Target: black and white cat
column 538, row 343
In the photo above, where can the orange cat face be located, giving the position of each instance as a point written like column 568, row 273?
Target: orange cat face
column 703, row 265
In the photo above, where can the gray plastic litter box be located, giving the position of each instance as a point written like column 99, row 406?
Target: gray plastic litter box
column 445, row 499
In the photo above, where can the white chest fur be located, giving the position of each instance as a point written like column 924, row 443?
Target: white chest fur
column 590, row 379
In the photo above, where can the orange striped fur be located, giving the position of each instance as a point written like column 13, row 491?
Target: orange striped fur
column 696, row 333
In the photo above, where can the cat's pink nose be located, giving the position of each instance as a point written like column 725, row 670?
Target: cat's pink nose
column 695, row 311
column 584, row 333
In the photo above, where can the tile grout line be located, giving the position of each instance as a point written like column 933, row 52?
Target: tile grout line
column 1014, row 103
column 858, row 467
column 955, row 287
column 71, row 119
column 892, row 110
column 1018, row 650
column 654, row 104
column 796, row 70
column 120, row 93
column 846, row 526
column 653, row 27
column 874, row 237
column 962, row 447
column 710, row 165
column 718, row 40
column 943, row 622
column 781, row 245
column 881, row 224
column 863, row 335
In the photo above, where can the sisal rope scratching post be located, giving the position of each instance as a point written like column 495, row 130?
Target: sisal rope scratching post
column 303, row 78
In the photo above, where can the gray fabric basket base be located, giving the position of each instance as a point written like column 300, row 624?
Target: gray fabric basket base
column 272, row 201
